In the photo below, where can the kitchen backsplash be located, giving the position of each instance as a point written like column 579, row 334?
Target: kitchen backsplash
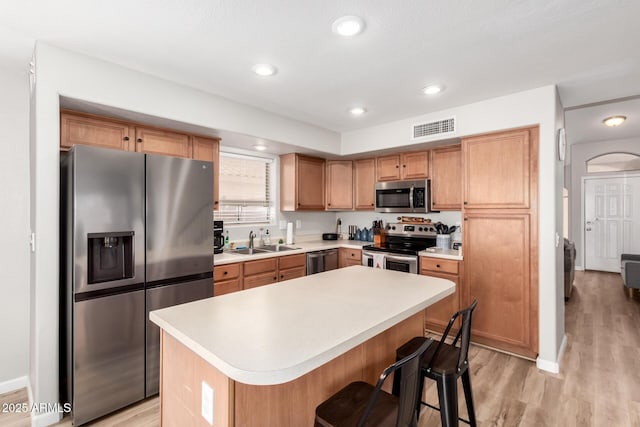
column 316, row 223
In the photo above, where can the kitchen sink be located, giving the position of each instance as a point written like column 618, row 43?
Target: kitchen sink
column 249, row 251
column 262, row 250
column 277, row 248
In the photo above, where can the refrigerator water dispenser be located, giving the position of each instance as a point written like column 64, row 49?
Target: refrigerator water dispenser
column 110, row 256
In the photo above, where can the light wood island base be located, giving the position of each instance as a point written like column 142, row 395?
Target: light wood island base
column 289, row 404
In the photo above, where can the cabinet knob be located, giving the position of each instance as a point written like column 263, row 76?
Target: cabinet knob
column 275, row 278
column 371, row 204
column 404, row 166
column 225, row 273
column 126, row 138
column 465, row 203
column 215, row 203
column 282, row 276
column 465, row 219
column 397, row 166
column 139, row 140
column 328, row 204
column 437, row 265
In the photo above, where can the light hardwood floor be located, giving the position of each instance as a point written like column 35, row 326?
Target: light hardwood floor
column 598, row 385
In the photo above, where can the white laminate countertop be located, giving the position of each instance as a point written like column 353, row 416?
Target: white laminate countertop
column 318, row 245
column 276, row 333
column 442, row 253
column 303, row 247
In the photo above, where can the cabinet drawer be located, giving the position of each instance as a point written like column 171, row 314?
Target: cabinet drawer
column 350, row 262
column 260, row 266
column 438, row 265
column 291, row 261
column 226, row 287
column 260, row 279
column 226, row 271
column 292, row 273
column 351, row 254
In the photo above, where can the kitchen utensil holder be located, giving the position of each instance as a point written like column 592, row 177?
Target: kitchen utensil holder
column 443, row 241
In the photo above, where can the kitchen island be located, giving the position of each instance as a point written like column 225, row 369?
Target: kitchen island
column 271, row 354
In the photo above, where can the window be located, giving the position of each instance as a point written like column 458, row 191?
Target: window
column 245, row 189
column 613, row 162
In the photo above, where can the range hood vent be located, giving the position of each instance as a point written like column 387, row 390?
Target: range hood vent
column 433, row 129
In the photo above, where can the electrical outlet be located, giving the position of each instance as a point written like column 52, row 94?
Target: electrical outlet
column 282, row 225
column 298, row 224
column 207, row 403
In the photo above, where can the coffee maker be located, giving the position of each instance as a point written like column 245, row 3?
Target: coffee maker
column 218, row 236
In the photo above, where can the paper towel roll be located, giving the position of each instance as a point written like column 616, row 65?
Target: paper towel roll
column 289, row 233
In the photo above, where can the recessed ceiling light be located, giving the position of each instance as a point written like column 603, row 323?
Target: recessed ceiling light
column 264, row 70
column 357, row 111
column 614, row 121
column 348, row 26
column 432, row 89
column 260, row 147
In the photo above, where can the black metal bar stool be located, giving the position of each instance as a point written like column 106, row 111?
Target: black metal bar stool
column 445, row 363
column 361, row 404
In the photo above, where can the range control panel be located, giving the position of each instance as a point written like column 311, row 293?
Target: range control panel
column 399, row 229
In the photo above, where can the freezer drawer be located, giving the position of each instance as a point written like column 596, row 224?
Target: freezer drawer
column 108, row 368
column 162, row 297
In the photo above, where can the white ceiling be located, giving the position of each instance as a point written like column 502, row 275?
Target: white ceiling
column 585, row 124
column 478, row 50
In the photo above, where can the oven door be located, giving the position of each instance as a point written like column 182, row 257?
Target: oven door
column 406, row 263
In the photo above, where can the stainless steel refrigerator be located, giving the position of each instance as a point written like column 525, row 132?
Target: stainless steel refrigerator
column 136, row 236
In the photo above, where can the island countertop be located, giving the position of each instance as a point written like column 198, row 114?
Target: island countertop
column 276, row 333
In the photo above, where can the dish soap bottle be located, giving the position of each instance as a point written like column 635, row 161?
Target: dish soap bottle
column 267, row 238
column 226, row 239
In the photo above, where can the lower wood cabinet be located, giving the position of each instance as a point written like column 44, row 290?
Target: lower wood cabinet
column 292, row 267
column 260, row 272
column 501, row 273
column 348, row 257
column 227, row 278
column 437, row 315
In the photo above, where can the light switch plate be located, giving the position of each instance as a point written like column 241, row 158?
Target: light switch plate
column 282, row 225
column 207, row 403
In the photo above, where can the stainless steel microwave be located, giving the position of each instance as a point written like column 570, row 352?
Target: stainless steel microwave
column 403, row 196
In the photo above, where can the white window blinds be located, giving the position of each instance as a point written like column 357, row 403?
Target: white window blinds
column 245, row 189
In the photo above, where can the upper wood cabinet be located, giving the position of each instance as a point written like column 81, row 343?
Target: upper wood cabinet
column 339, row 185
column 388, row 168
column 90, row 130
column 159, row 141
column 415, row 165
column 302, row 182
column 364, row 183
column 497, row 170
column 411, row 165
column 208, row 149
column 446, row 178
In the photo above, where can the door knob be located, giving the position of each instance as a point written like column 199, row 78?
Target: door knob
column 588, row 229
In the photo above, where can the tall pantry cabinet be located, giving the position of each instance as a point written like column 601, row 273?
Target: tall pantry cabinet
column 500, row 234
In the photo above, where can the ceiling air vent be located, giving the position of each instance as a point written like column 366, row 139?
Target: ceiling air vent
column 437, row 128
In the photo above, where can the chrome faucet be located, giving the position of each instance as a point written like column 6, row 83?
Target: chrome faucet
column 251, row 237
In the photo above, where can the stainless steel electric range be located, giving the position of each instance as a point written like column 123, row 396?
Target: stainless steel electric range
column 401, row 248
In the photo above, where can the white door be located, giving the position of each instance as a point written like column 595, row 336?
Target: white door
column 612, row 221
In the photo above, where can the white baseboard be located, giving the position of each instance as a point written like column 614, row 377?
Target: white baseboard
column 553, row 366
column 579, row 268
column 14, row 384
column 45, row 419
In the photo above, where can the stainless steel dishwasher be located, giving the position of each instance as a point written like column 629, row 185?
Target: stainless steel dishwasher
column 320, row 261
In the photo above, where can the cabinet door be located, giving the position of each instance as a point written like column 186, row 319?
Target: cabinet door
column 269, row 265
column 260, row 279
column 497, row 272
column 208, row 149
column 291, row 261
column 388, row 168
column 348, row 257
column 497, row 170
column 415, row 165
column 292, row 273
column 86, row 130
column 310, row 183
column 446, row 178
column 158, row 141
column 227, row 286
column 365, row 184
column 340, row 184
column 437, row 315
